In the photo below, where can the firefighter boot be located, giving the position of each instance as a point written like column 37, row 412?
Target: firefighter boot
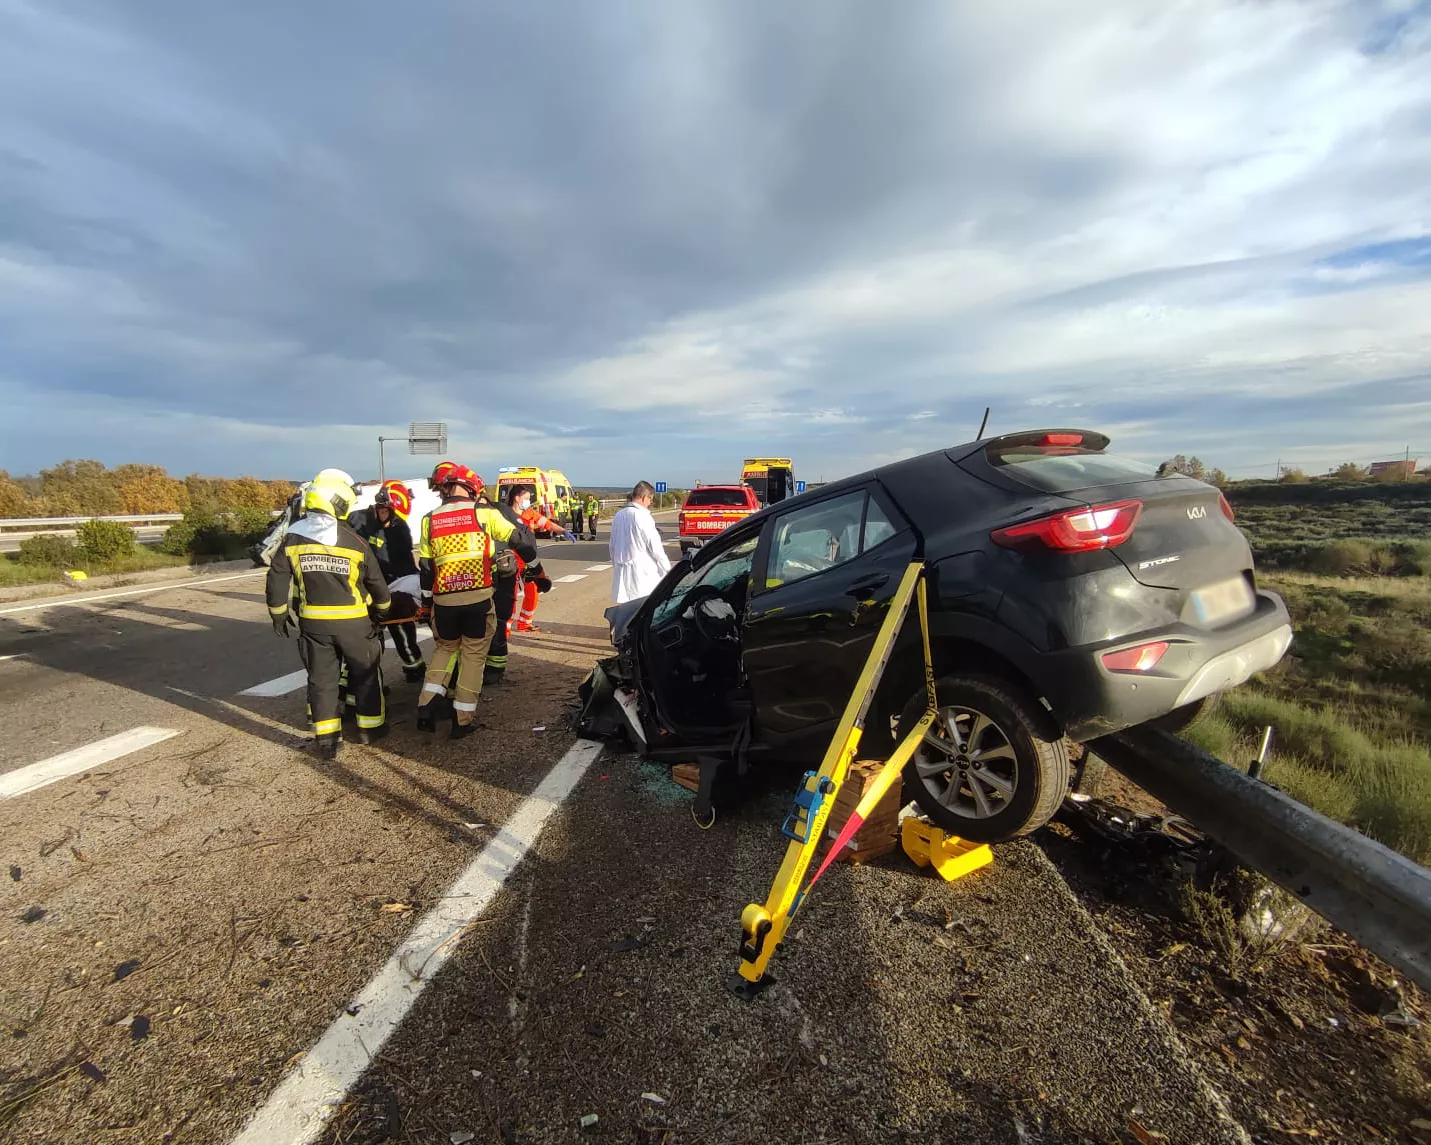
column 372, row 735
column 415, row 673
column 328, row 746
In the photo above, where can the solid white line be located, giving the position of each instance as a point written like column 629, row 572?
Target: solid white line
column 71, row 601
column 295, row 680
column 298, row 1109
column 597, row 568
column 41, row 774
column 570, row 578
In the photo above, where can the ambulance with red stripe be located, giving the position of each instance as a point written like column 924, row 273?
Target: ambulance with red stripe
column 711, row 509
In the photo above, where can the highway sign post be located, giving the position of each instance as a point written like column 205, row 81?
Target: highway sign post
column 423, row 437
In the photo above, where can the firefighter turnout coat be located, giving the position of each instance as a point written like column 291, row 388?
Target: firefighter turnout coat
column 331, row 572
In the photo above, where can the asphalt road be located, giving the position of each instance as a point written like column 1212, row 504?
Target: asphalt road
column 182, row 923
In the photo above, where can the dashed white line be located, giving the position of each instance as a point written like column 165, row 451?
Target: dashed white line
column 69, row 602
column 47, row 771
column 298, row 1109
column 570, row 578
column 282, row 685
column 597, row 568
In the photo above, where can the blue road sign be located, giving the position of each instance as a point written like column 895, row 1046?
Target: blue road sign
column 660, row 486
column 799, row 487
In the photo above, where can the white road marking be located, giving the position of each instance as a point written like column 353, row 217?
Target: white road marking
column 570, row 578
column 68, row 602
column 279, row 687
column 298, row 1109
column 597, row 568
column 282, row 685
column 47, row 771
column 13, row 656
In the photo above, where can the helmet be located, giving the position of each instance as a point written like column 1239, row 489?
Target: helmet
column 440, row 470
column 396, row 496
column 459, row 476
column 332, row 492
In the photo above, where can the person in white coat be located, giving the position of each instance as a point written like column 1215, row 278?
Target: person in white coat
column 638, row 558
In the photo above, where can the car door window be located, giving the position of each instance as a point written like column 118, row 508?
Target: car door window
column 878, row 527
column 722, row 573
column 811, row 540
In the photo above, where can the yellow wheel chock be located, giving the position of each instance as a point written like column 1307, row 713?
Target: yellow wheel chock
column 950, row 856
column 763, row 926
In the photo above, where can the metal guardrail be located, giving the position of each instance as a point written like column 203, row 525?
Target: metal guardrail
column 1380, row 898
column 40, row 524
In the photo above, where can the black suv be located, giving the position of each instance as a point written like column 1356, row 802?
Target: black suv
column 1072, row 593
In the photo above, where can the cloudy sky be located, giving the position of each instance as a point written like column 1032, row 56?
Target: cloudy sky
column 646, row 239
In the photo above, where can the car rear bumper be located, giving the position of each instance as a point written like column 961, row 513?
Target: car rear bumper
column 1088, row 700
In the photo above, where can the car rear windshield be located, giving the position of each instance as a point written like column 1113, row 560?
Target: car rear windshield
column 705, row 497
column 1061, row 468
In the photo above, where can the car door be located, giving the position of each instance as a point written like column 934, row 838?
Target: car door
column 826, row 573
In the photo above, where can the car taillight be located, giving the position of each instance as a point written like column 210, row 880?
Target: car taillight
column 1063, row 439
column 1139, row 659
column 1077, row 531
column 1226, row 508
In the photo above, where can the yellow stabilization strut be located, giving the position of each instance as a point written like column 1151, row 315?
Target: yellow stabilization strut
column 763, row 926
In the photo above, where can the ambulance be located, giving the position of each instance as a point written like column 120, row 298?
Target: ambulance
column 549, row 484
column 772, row 478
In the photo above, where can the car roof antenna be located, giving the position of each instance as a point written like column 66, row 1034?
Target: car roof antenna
column 982, row 424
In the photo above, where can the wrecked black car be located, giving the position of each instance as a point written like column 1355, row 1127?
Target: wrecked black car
column 1072, row 593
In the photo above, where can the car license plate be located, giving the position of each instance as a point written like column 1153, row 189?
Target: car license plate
column 1223, row 601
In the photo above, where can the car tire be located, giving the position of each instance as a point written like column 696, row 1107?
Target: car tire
column 1188, row 716
column 1020, row 784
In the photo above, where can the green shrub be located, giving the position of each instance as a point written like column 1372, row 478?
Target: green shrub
column 252, row 524
column 1318, row 788
column 1415, row 557
column 49, row 550
column 1342, row 558
column 106, row 540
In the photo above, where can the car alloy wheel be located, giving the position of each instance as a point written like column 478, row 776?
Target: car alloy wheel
column 993, row 767
column 968, row 763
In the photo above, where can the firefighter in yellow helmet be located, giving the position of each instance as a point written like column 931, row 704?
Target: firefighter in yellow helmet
column 330, row 574
column 457, row 548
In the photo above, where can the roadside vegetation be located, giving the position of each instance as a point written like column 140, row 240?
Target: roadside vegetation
column 1351, row 704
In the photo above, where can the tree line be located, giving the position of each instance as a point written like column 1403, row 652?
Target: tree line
column 89, row 489
column 1347, row 471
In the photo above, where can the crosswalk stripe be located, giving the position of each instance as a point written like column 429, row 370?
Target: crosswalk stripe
column 570, row 578
column 597, row 568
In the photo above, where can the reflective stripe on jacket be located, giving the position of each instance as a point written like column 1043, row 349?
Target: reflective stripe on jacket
column 335, row 578
column 456, row 546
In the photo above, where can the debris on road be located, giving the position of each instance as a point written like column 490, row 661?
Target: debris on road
column 15, row 874
column 588, row 1120
column 653, row 1098
column 34, row 914
column 93, row 1072
column 125, row 969
column 461, row 1136
column 627, row 943
column 395, row 908
column 139, row 1028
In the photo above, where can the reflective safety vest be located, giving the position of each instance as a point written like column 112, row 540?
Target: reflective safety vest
column 458, row 539
column 593, row 506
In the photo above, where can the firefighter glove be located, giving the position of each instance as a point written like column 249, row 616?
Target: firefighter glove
column 282, row 623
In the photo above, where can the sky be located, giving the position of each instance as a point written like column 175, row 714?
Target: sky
column 644, row 239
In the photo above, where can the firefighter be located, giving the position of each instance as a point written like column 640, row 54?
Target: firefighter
column 386, row 531
column 340, row 592
column 578, row 514
column 456, row 553
column 593, row 511
column 533, row 579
